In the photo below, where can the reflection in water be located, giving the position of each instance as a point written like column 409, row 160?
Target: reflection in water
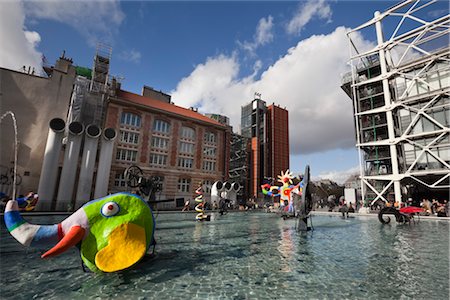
column 197, row 235
column 250, row 256
column 286, row 249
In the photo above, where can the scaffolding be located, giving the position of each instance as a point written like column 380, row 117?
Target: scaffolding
column 239, row 163
column 400, row 90
column 99, row 81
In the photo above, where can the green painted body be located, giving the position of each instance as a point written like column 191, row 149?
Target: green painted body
column 132, row 210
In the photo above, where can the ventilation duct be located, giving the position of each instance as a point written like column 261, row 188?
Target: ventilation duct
column 104, row 163
column 49, row 171
column 70, row 164
column 87, row 165
column 216, row 189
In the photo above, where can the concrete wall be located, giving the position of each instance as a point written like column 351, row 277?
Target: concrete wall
column 35, row 101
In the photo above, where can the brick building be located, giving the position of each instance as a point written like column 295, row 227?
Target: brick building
column 180, row 146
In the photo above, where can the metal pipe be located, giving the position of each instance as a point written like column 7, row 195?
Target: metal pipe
column 216, row 188
column 70, row 164
column 232, row 194
column 87, row 165
column 104, row 163
column 49, row 171
column 389, row 113
column 226, row 190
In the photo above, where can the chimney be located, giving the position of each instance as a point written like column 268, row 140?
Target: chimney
column 149, row 92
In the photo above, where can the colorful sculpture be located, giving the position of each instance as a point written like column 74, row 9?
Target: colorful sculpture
column 300, row 205
column 28, row 203
column 200, row 207
column 113, row 233
column 284, row 191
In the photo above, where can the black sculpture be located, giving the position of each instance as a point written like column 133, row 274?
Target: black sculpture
column 399, row 217
column 303, row 203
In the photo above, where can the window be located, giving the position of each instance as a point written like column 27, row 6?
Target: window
column 129, row 137
column 130, row 119
column 186, row 147
column 158, row 159
column 187, row 133
column 119, row 180
column 185, row 163
column 160, row 143
column 161, row 126
column 184, row 185
column 126, row 155
column 207, row 184
column 209, row 165
column 210, row 137
column 209, row 151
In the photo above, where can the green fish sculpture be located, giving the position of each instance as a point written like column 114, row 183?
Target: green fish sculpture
column 113, row 233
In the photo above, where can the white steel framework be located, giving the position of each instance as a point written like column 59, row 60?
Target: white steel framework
column 401, row 97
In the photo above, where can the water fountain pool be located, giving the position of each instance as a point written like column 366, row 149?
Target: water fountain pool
column 249, row 255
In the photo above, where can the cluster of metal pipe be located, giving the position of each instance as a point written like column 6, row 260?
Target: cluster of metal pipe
column 225, row 190
column 76, row 134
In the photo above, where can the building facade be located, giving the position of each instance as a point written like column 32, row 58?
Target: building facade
column 277, row 122
column 267, row 128
column 400, row 91
column 34, row 99
column 180, row 146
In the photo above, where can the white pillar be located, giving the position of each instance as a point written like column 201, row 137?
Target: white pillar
column 49, row 171
column 70, row 165
column 387, row 102
column 104, row 163
column 87, row 165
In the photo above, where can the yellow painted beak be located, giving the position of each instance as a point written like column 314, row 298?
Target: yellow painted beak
column 126, row 246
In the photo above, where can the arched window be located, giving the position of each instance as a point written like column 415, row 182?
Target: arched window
column 210, row 137
column 161, row 126
column 130, row 119
column 187, row 133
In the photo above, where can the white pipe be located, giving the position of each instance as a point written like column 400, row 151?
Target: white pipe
column 232, row 194
column 49, row 171
column 226, row 190
column 70, row 164
column 389, row 113
column 216, row 188
column 104, row 163
column 87, row 165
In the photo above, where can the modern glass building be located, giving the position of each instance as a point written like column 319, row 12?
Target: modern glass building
column 267, row 127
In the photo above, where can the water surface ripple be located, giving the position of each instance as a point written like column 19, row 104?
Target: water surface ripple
column 249, row 256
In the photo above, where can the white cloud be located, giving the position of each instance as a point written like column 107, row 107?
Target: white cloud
column 306, row 12
column 32, row 37
column 263, row 35
column 339, row 176
column 130, row 55
column 306, row 81
column 18, row 46
column 95, row 20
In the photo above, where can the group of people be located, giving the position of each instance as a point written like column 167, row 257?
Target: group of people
column 25, row 202
column 345, row 208
column 434, row 207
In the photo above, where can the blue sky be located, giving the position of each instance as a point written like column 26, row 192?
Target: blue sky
column 215, row 55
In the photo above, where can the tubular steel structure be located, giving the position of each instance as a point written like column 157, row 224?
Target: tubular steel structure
column 400, row 90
